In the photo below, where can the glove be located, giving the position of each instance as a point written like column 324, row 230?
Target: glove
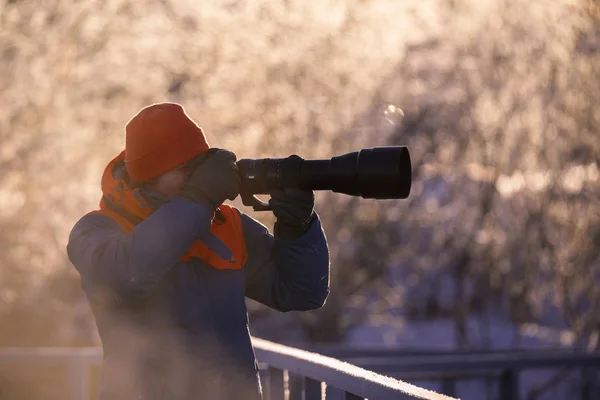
column 214, row 178
column 294, row 211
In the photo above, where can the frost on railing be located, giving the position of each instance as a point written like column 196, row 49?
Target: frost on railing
column 314, row 368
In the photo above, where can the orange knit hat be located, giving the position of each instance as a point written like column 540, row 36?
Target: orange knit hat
column 159, row 138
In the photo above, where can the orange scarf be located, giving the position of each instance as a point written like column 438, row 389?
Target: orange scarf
column 128, row 207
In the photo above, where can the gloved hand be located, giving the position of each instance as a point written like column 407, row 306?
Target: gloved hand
column 214, row 178
column 294, row 211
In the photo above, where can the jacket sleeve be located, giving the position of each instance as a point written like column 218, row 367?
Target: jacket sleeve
column 128, row 266
column 287, row 275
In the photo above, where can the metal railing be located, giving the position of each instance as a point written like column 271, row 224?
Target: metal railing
column 452, row 366
column 291, row 373
column 314, row 376
column 288, row 373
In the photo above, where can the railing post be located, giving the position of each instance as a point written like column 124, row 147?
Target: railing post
column 509, row 385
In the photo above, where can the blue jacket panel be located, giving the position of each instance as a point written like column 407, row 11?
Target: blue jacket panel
column 286, row 275
column 179, row 330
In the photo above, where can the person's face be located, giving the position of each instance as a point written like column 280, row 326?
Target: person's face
column 170, row 183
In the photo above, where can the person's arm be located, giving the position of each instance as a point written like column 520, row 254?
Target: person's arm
column 287, row 275
column 127, row 266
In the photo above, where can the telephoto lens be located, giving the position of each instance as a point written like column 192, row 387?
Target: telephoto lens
column 375, row 173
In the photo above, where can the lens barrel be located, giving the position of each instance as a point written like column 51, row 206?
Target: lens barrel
column 375, row 173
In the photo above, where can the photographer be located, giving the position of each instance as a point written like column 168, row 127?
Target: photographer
column 166, row 266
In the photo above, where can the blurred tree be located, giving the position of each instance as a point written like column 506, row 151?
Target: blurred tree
column 501, row 118
column 502, row 122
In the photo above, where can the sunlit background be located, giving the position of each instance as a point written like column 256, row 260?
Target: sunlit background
column 498, row 245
